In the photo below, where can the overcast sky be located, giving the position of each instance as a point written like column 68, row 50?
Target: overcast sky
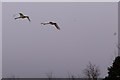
column 0, row 39
column 33, row 50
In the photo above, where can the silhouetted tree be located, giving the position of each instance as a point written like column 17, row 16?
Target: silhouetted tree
column 91, row 71
column 114, row 70
column 49, row 76
column 71, row 76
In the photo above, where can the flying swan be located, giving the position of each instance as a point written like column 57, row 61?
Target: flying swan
column 22, row 16
column 52, row 23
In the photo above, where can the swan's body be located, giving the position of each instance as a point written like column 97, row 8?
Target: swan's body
column 22, row 16
column 55, row 24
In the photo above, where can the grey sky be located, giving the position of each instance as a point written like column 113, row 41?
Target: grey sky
column 32, row 50
column 1, row 40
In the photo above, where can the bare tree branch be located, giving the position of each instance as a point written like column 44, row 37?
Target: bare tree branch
column 91, row 71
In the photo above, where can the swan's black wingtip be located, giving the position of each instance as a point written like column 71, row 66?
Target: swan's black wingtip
column 58, row 29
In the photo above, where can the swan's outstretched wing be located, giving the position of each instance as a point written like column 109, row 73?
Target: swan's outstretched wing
column 21, row 14
column 17, row 18
column 45, row 23
column 57, row 26
column 28, row 18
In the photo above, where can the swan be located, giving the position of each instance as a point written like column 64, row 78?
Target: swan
column 22, row 16
column 52, row 23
